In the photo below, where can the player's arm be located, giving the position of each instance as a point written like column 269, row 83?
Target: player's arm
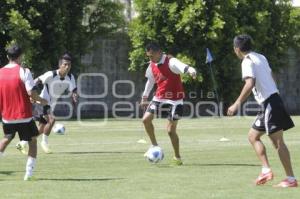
column 73, row 89
column 44, row 78
column 246, row 91
column 31, row 88
column 36, row 98
column 75, row 96
column 178, row 67
column 148, row 87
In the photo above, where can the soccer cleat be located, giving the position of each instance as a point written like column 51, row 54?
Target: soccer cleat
column 286, row 183
column 29, row 178
column 177, row 161
column 45, row 147
column 22, row 148
column 263, row 178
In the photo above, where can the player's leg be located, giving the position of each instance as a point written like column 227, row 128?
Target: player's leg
column 283, row 152
column 284, row 155
column 147, row 121
column 29, row 132
column 174, row 114
column 9, row 134
column 258, row 146
column 260, row 150
column 276, row 121
column 171, row 129
column 46, row 130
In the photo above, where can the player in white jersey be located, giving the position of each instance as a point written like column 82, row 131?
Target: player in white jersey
column 55, row 83
column 273, row 119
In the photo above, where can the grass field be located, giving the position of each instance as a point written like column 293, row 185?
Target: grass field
column 105, row 161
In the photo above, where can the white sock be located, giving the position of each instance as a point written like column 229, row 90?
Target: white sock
column 45, row 138
column 291, row 178
column 30, row 165
column 265, row 170
column 23, row 142
column 1, row 154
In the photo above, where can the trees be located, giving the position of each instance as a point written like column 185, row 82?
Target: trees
column 46, row 29
column 186, row 27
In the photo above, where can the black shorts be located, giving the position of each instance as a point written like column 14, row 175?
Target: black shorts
column 40, row 119
column 164, row 110
column 273, row 116
column 26, row 130
column 39, row 112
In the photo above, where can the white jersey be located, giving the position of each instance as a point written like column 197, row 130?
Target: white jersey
column 55, row 86
column 256, row 66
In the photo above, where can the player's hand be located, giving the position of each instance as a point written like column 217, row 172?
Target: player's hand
column 42, row 102
column 144, row 102
column 46, row 117
column 75, row 97
column 232, row 109
column 192, row 72
column 32, row 100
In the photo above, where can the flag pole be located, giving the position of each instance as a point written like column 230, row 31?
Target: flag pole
column 209, row 60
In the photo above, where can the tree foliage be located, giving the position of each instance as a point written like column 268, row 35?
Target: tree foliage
column 185, row 28
column 48, row 28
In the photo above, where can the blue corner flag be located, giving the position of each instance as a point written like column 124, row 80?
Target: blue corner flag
column 209, row 57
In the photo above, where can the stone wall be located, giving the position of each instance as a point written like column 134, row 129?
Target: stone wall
column 107, row 88
column 288, row 80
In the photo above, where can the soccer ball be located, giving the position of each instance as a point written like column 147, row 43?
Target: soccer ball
column 154, row 154
column 59, row 129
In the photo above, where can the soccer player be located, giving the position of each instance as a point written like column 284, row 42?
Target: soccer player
column 164, row 71
column 16, row 88
column 55, row 84
column 273, row 118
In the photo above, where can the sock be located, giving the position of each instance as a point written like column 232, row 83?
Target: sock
column 1, row 154
column 291, row 178
column 23, row 142
column 30, row 165
column 45, row 138
column 265, row 170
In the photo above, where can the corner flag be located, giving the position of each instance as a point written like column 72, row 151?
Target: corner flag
column 209, row 57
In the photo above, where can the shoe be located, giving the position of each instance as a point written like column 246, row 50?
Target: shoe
column 263, row 178
column 286, row 183
column 29, row 178
column 45, row 147
column 177, row 161
column 22, row 148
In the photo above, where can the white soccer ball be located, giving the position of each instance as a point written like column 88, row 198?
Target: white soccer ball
column 59, row 129
column 154, row 154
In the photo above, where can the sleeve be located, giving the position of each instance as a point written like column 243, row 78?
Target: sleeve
column 72, row 86
column 148, row 87
column 46, row 77
column 149, row 73
column 177, row 66
column 28, row 80
column 247, row 68
column 150, row 83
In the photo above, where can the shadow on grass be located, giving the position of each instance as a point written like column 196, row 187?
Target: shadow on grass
column 99, row 152
column 78, row 179
column 224, row 165
column 8, row 173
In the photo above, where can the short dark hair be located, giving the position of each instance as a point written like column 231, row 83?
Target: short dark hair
column 14, row 51
column 66, row 57
column 153, row 46
column 243, row 42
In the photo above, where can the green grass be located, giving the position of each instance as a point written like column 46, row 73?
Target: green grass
column 105, row 161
